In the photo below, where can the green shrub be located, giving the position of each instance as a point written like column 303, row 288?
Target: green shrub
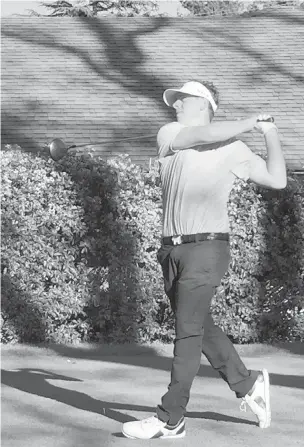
column 79, row 243
column 43, row 284
column 123, row 216
column 79, row 250
column 262, row 295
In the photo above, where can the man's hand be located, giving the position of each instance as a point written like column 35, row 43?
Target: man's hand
column 262, row 125
column 259, row 122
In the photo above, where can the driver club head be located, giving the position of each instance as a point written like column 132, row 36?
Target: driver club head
column 57, row 149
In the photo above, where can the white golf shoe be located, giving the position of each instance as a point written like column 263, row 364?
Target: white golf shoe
column 153, row 428
column 258, row 399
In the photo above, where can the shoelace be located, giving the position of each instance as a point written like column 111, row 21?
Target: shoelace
column 243, row 406
column 151, row 420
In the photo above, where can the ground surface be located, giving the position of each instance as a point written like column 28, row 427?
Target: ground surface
column 74, row 397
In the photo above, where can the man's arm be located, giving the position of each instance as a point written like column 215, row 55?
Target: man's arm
column 212, row 133
column 272, row 173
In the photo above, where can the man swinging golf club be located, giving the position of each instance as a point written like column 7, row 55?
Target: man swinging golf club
column 199, row 161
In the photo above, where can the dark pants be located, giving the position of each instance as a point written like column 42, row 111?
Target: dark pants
column 191, row 274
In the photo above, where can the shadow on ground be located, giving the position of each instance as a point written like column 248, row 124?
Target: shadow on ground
column 35, row 381
column 294, row 348
column 148, row 357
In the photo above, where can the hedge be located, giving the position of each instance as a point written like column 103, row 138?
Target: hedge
column 79, row 244
column 262, row 295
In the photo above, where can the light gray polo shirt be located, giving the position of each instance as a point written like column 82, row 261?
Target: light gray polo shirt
column 196, row 185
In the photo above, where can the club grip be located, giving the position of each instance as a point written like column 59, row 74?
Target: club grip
column 269, row 120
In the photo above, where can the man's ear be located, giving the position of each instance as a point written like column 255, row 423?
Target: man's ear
column 204, row 103
column 178, row 104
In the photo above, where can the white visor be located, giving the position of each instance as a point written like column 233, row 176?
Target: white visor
column 192, row 88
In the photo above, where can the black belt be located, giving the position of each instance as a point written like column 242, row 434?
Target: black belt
column 187, row 238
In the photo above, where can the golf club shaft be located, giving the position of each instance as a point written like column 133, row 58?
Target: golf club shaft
column 142, row 137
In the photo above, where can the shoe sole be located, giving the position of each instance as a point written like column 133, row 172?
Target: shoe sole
column 181, row 435
column 267, row 398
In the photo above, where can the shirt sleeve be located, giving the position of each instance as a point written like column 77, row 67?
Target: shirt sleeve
column 165, row 138
column 244, row 162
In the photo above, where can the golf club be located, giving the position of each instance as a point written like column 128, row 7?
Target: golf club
column 58, row 149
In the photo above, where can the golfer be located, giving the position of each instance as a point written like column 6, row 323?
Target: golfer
column 199, row 161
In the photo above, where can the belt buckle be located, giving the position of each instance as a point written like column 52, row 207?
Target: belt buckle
column 211, row 237
column 177, row 240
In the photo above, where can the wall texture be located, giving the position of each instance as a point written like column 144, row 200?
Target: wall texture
column 87, row 79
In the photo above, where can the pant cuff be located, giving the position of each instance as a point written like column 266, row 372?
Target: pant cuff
column 242, row 388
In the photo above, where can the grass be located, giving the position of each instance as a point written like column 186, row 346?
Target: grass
column 131, row 349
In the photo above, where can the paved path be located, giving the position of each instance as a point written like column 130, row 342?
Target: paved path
column 74, row 397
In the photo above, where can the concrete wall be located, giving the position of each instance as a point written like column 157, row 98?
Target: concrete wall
column 87, row 79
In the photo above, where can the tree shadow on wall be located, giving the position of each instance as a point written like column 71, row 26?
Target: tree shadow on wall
column 124, row 56
column 125, row 60
column 280, row 13
column 281, row 285
column 231, row 41
column 109, row 251
column 12, row 134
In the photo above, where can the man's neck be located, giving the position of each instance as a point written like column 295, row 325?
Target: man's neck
column 193, row 121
